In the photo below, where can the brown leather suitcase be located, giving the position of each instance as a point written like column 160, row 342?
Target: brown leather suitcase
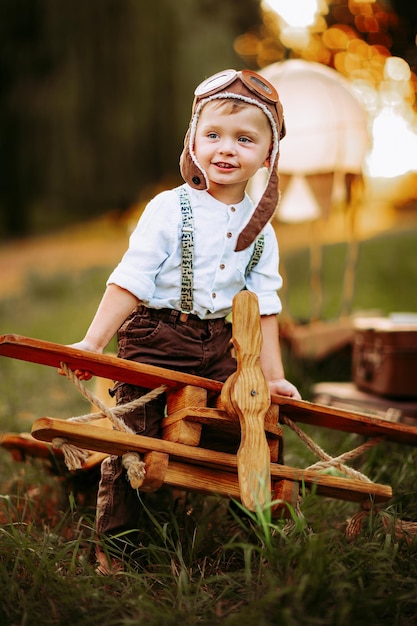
column 385, row 356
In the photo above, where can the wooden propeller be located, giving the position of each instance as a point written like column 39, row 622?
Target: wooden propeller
column 246, row 394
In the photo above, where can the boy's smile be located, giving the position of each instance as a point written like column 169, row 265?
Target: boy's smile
column 231, row 147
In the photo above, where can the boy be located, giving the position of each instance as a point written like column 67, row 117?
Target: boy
column 193, row 249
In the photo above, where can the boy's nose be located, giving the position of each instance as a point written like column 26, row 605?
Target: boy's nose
column 227, row 146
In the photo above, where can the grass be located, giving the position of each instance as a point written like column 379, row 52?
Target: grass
column 201, row 561
column 384, row 268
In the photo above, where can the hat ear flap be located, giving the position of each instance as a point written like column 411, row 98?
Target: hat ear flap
column 263, row 212
column 190, row 172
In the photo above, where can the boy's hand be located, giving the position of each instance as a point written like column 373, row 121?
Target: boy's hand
column 82, row 345
column 283, row 387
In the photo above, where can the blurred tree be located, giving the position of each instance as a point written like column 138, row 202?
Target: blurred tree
column 95, row 98
column 406, row 42
column 21, row 64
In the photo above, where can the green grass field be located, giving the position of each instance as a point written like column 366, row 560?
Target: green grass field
column 200, row 561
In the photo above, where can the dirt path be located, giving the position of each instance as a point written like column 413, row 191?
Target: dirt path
column 95, row 244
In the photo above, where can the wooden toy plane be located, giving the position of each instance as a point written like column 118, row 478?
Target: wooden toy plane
column 243, row 422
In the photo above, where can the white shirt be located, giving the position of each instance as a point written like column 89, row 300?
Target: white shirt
column 151, row 267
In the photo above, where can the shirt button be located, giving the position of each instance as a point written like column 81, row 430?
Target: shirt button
column 233, row 209
column 222, row 266
column 229, row 235
column 213, row 295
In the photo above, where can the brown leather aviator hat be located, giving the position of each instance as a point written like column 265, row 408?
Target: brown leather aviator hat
column 254, row 89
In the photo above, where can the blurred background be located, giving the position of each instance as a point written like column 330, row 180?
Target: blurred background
column 95, row 99
column 95, row 96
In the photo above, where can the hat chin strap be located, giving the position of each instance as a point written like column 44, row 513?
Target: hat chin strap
column 263, row 212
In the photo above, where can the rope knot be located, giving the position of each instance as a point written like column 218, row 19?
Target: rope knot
column 135, row 469
column 74, row 457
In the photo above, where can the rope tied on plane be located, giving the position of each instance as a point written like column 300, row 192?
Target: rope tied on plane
column 74, row 457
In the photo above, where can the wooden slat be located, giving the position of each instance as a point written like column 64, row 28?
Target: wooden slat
column 23, row 445
column 48, row 353
column 202, row 479
column 114, row 442
column 216, row 418
column 346, row 421
column 104, row 365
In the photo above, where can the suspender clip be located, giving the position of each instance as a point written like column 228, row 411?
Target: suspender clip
column 184, row 316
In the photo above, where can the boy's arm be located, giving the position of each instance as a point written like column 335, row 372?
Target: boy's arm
column 116, row 305
column 271, row 360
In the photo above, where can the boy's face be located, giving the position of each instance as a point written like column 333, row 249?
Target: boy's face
column 231, row 147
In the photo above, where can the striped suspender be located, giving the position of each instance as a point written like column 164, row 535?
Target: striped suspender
column 256, row 254
column 187, row 254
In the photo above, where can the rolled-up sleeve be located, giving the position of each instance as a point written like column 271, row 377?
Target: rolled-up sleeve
column 149, row 247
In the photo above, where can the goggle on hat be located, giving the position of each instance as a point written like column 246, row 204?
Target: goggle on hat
column 254, row 89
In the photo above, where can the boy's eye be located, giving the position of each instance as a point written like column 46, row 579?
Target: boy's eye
column 245, row 139
column 212, row 135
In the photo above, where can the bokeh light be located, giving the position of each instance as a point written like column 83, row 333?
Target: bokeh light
column 297, row 13
column 355, row 38
column 394, row 150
